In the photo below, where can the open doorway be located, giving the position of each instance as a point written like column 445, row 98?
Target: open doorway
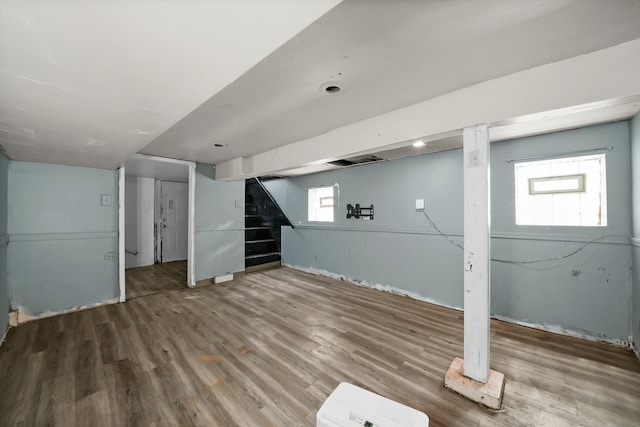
column 156, row 223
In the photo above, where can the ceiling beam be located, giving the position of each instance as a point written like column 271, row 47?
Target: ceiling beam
column 598, row 76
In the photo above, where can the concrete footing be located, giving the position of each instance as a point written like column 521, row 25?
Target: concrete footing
column 488, row 394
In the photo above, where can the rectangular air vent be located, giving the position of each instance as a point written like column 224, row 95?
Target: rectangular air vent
column 357, row 160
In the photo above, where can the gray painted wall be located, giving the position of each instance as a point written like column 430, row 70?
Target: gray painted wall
column 219, row 225
column 586, row 294
column 634, row 126
column 60, row 234
column 4, row 239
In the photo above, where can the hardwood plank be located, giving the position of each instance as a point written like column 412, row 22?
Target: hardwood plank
column 269, row 347
column 156, row 278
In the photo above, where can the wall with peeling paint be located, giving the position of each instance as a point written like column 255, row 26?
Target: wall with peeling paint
column 63, row 243
column 634, row 128
column 4, row 239
column 586, row 294
column 219, row 225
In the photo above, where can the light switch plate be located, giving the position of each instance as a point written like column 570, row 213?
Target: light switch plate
column 238, row 203
column 110, row 256
column 106, row 200
column 419, row 204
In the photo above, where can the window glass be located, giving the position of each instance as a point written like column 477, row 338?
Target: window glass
column 568, row 191
column 320, row 204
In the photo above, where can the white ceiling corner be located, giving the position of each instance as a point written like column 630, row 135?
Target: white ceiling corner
column 90, row 83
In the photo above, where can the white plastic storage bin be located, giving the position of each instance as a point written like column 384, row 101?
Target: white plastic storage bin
column 351, row 406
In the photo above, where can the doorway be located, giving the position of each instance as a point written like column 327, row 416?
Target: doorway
column 156, row 226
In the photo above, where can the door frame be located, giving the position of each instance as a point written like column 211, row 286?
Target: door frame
column 191, row 241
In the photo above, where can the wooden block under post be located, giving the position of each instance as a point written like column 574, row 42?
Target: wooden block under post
column 488, row 394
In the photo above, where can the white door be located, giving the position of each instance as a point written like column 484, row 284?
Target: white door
column 174, row 207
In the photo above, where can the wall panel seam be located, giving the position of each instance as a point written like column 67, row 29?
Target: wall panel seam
column 31, row 237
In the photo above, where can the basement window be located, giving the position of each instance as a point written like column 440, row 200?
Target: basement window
column 320, row 204
column 570, row 191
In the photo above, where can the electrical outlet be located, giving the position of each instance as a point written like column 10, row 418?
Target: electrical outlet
column 109, row 256
column 419, row 204
column 238, row 204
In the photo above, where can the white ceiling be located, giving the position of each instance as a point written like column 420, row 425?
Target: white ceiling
column 91, row 83
column 388, row 55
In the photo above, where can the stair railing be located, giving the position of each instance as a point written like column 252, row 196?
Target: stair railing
column 268, row 193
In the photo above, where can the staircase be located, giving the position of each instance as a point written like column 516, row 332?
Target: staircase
column 263, row 219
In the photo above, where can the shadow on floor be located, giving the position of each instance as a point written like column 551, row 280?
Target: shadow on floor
column 152, row 279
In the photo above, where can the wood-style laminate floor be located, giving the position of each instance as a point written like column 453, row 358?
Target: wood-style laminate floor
column 149, row 280
column 269, row 347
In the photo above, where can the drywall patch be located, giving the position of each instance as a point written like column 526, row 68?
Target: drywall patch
column 13, row 318
column 21, row 316
column 385, row 288
column 17, row 317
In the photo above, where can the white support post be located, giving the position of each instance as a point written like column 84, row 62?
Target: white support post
column 191, row 257
column 477, row 252
column 471, row 376
column 121, row 250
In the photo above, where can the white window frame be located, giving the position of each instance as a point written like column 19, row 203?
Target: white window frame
column 318, row 198
column 580, row 178
column 553, row 207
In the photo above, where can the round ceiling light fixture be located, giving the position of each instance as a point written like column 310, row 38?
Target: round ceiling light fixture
column 331, row 88
column 419, row 144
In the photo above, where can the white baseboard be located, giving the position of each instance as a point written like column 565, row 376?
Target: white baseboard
column 223, row 278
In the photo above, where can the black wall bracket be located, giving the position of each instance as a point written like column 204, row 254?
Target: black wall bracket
column 359, row 211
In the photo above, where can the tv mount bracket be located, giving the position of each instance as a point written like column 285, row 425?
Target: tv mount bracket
column 359, row 211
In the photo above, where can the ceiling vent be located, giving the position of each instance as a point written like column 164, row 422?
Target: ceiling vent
column 357, row 160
